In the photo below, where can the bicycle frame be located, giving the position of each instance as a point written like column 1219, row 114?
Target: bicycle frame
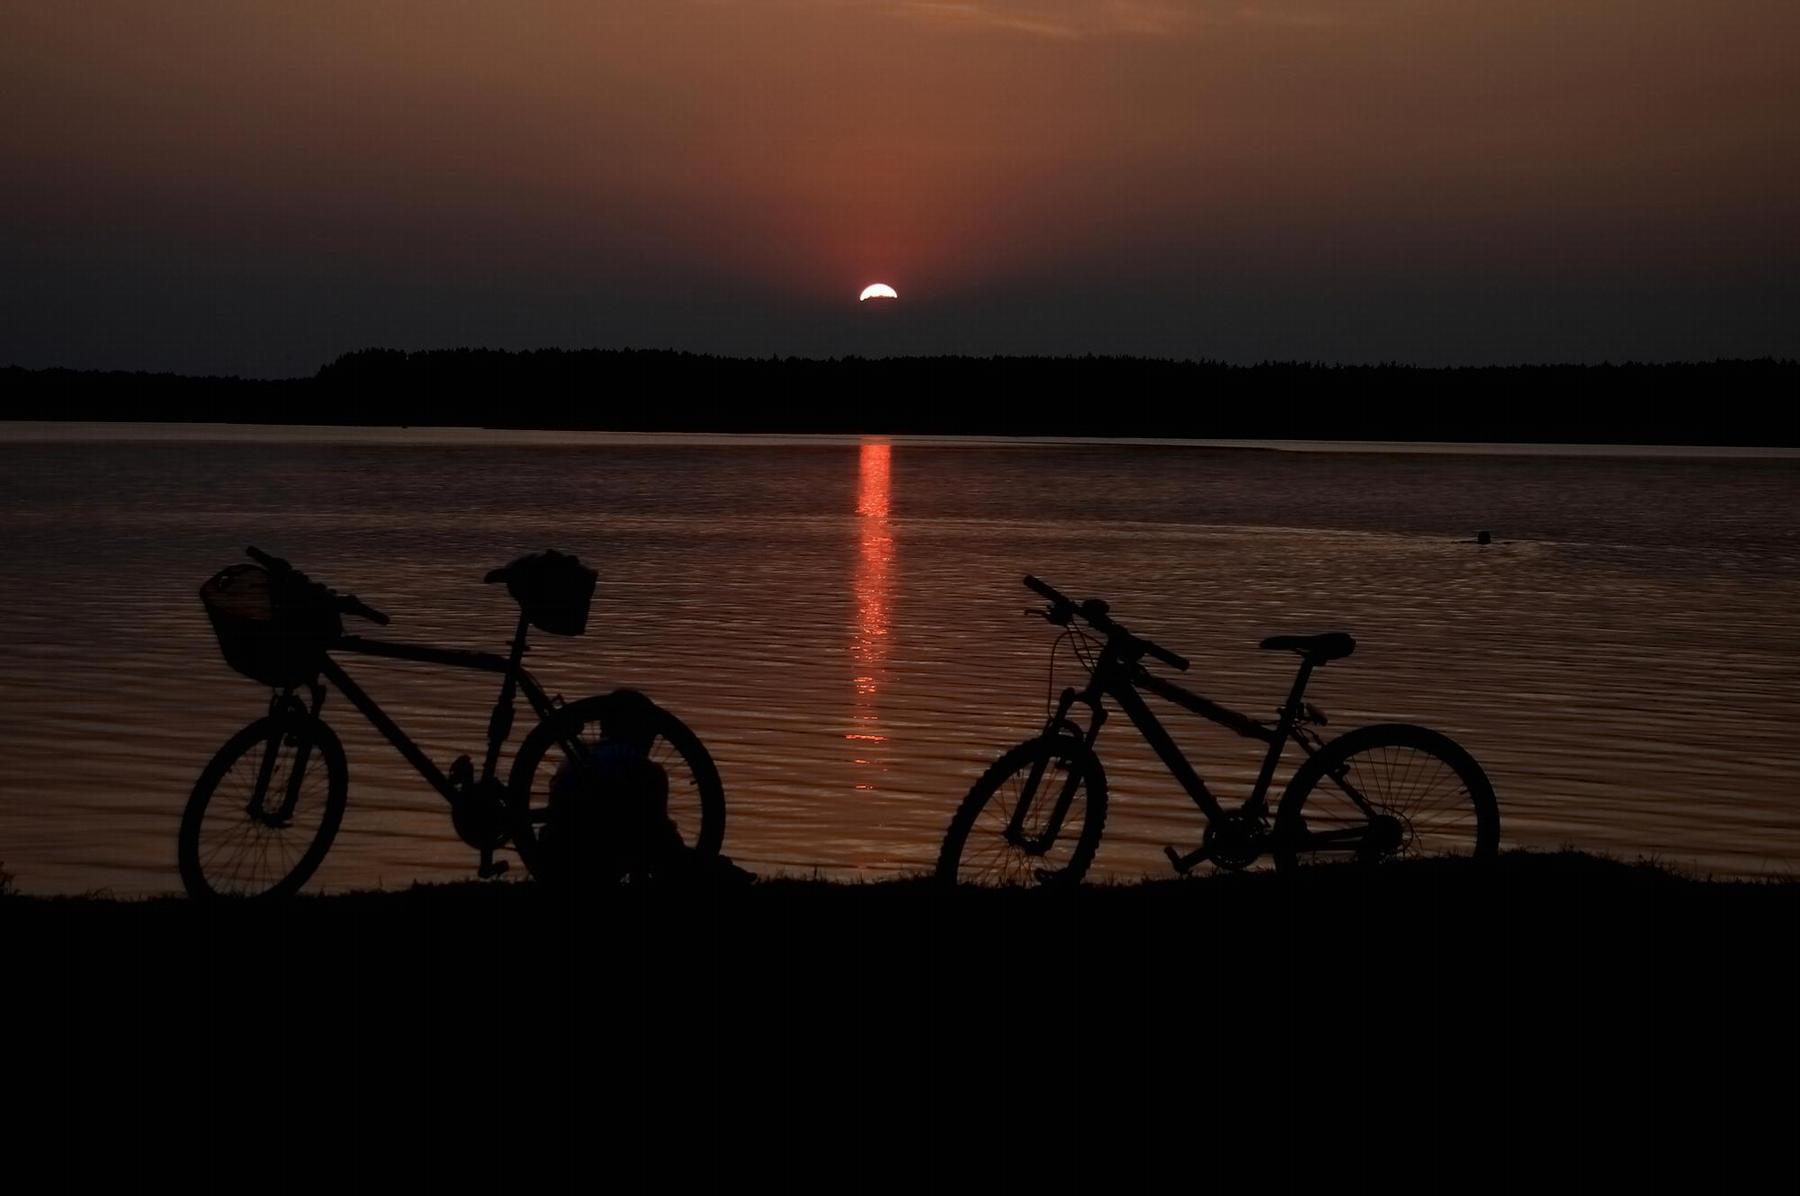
column 1119, row 678
column 500, row 724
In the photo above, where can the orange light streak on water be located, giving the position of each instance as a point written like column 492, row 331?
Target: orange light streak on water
column 873, row 586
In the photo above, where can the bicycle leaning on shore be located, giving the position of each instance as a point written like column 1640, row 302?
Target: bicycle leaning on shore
column 265, row 810
column 1376, row 793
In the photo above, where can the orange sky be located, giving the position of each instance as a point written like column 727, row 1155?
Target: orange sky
column 246, row 153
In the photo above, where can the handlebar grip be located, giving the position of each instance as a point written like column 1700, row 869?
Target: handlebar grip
column 273, row 563
column 350, row 604
column 1095, row 612
column 1172, row 659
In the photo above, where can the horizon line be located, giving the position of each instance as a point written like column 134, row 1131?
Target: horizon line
column 1214, row 363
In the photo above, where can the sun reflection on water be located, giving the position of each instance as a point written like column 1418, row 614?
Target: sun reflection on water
column 869, row 635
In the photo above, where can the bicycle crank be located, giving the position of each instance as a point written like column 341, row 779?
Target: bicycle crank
column 1232, row 842
column 1184, row 864
column 479, row 815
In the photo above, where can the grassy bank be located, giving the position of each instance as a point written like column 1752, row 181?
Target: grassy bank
column 1518, row 873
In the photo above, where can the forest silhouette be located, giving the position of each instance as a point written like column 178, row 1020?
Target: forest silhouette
column 1738, row 402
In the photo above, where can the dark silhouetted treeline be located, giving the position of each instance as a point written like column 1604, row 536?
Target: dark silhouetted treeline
column 1750, row 402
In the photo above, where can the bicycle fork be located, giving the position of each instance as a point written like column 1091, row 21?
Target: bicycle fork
column 1041, row 843
column 258, row 805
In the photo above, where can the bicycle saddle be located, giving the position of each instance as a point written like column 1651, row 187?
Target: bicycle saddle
column 1333, row 645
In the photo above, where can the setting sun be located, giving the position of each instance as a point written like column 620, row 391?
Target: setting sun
column 879, row 290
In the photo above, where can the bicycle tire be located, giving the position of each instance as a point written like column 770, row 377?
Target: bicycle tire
column 696, row 794
column 238, row 862
column 1002, row 863
column 1385, row 764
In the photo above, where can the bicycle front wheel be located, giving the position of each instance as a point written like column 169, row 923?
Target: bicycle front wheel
column 1392, row 791
column 569, row 737
column 264, row 811
column 1005, row 832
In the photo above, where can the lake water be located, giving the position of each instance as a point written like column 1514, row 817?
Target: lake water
column 840, row 621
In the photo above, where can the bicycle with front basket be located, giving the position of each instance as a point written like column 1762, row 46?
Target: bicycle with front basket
column 1389, row 791
column 265, row 810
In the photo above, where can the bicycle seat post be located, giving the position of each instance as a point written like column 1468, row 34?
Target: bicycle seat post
column 1294, row 707
column 1290, row 714
column 500, row 725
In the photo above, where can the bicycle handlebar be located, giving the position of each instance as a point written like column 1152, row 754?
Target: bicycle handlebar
column 348, row 604
column 1093, row 612
column 1044, row 588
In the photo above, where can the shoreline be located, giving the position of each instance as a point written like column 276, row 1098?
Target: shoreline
column 1511, row 868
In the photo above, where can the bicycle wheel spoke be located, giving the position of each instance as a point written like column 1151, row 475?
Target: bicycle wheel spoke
column 599, row 736
column 980, row 851
column 1414, row 791
column 234, row 846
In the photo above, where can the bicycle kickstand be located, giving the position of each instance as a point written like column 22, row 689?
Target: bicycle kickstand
column 1185, row 864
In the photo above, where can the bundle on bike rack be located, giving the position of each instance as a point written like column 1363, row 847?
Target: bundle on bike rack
column 553, row 589
column 273, row 630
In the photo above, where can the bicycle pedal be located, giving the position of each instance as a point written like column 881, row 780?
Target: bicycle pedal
column 492, row 868
column 1184, row 864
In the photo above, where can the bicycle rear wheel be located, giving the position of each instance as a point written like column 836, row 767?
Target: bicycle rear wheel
column 978, row 848
column 264, row 811
column 1391, row 791
column 567, row 739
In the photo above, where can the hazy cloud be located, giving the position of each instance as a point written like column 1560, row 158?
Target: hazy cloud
column 1142, row 18
column 1073, row 20
column 991, row 16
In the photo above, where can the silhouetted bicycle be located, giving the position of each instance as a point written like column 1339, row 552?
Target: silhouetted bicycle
column 1376, row 793
column 264, row 811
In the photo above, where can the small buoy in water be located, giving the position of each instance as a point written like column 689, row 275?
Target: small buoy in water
column 1484, row 537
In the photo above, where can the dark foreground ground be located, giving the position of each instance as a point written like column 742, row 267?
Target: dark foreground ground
column 1557, row 1021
